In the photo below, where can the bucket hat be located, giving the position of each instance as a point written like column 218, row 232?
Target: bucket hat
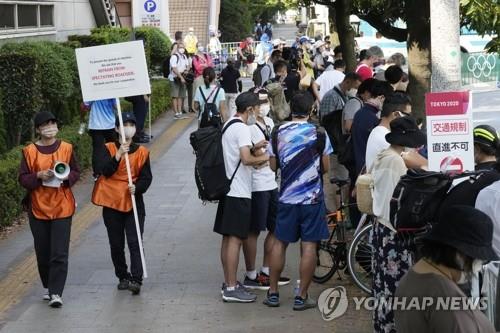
column 405, row 132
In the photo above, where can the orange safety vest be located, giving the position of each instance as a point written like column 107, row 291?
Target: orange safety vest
column 50, row 203
column 113, row 192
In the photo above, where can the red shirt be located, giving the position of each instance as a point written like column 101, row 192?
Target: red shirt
column 364, row 72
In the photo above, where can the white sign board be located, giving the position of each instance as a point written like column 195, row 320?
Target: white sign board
column 450, row 129
column 150, row 13
column 113, row 71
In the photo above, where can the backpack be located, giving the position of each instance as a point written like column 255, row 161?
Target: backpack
column 364, row 193
column 332, row 122
column 417, row 198
column 320, row 144
column 165, row 66
column 257, row 75
column 280, row 110
column 209, row 170
column 210, row 115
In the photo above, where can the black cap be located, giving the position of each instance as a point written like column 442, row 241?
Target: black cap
column 43, row 117
column 247, row 99
column 405, row 132
column 127, row 117
column 466, row 229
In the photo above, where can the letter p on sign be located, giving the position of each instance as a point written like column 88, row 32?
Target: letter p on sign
column 150, row 6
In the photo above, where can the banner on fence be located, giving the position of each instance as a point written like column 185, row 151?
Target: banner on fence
column 113, row 71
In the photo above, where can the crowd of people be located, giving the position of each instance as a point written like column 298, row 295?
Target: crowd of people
column 305, row 117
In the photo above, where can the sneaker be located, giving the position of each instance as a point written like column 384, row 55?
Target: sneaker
column 283, row 281
column 178, row 116
column 301, row 304
column 46, row 296
column 134, row 287
column 261, row 282
column 55, row 301
column 238, row 295
column 238, row 283
column 123, row 285
column 272, row 300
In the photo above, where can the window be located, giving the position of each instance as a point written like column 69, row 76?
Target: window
column 47, row 16
column 7, row 16
column 27, row 16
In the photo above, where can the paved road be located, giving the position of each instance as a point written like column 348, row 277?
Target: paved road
column 182, row 293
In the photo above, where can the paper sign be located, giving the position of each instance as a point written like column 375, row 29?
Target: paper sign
column 450, row 131
column 113, row 71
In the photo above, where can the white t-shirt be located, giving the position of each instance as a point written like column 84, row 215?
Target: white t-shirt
column 328, row 80
column 263, row 179
column 179, row 61
column 376, row 143
column 235, row 137
column 488, row 201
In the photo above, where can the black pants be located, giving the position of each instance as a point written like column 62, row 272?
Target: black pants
column 99, row 138
column 51, row 248
column 120, row 225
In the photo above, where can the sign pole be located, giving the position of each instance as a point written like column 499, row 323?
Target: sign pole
column 134, row 204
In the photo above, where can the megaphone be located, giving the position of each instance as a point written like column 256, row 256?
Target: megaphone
column 61, row 170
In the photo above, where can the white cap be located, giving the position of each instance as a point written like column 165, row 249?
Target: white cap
column 276, row 42
column 319, row 43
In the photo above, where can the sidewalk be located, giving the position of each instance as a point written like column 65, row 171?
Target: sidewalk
column 182, row 293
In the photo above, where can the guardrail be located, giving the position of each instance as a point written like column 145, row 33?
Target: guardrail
column 480, row 68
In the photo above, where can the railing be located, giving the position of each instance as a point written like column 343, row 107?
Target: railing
column 480, row 68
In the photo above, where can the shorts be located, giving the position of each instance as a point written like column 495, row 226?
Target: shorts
column 177, row 89
column 233, row 217
column 307, row 222
column 264, row 210
column 337, row 170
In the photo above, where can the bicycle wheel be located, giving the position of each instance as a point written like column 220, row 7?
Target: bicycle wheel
column 359, row 259
column 326, row 265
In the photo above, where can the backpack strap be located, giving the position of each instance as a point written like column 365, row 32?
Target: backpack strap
column 274, row 144
column 203, row 95
column 320, row 146
column 234, row 121
column 266, row 135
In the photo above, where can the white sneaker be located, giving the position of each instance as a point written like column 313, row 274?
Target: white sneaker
column 55, row 301
column 177, row 116
column 46, row 296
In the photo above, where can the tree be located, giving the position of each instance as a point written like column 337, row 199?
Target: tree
column 479, row 15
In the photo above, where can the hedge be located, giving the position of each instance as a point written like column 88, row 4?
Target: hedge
column 11, row 192
column 161, row 100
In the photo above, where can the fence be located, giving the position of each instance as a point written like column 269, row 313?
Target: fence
column 480, row 68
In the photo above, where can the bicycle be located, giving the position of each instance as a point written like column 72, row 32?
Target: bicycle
column 338, row 253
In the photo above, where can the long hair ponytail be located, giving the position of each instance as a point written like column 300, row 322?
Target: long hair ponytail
column 208, row 76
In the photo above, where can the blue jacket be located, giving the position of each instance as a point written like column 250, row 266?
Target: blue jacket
column 364, row 121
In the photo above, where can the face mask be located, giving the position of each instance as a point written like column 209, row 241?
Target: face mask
column 477, row 266
column 264, row 110
column 182, row 50
column 464, row 278
column 49, row 131
column 201, row 49
column 352, row 92
column 129, row 131
column 251, row 119
column 377, row 102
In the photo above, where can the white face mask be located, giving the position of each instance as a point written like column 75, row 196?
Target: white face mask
column 264, row 110
column 201, row 49
column 352, row 92
column 49, row 131
column 251, row 119
column 182, row 50
column 129, row 131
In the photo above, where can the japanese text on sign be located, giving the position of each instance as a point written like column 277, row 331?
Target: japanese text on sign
column 446, row 127
column 442, row 147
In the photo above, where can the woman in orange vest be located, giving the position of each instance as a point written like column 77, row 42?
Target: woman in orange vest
column 50, row 201
column 112, row 192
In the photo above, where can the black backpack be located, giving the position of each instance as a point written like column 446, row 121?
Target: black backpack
column 210, row 171
column 257, row 75
column 210, row 115
column 417, row 198
column 165, row 67
column 320, row 144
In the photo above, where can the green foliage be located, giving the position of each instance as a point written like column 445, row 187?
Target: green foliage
column 160, row 99
column 235, row 30
column 20, row 84
column 112, row 35
column 482, row 16
column 157, row 46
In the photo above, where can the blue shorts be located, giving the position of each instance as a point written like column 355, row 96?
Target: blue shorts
column 307, row 222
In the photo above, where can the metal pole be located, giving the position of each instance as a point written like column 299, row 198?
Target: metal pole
column 149, row 111
column 445, row 45
column 134, row 204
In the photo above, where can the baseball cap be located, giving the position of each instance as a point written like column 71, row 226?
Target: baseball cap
column 247, row 99
column 127, row 117
column 43, row 117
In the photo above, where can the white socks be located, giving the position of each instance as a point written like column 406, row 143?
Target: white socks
column 252, row 275
column 265, row 270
